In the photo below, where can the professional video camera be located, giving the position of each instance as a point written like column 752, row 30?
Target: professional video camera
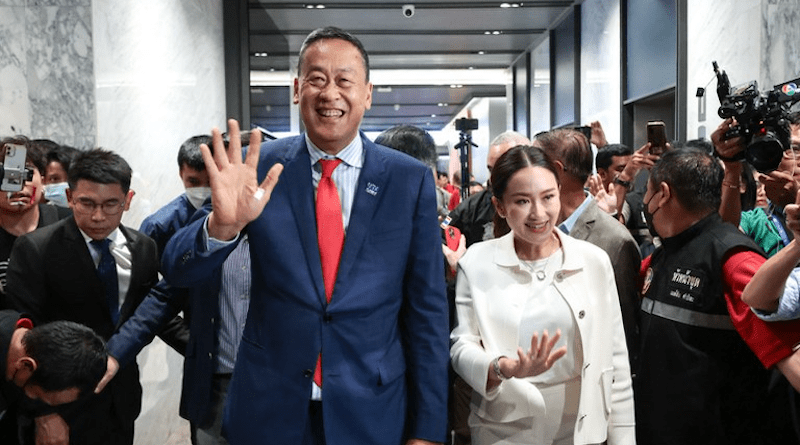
column 762, row 118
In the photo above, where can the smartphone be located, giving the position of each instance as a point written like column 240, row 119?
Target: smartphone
column 14, row 174
column 587, row 131
column 452, row 236
column 657, row 137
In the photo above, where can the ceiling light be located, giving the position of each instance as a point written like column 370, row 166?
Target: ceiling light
column 396, row 107
column 496, row 32
column 320, row 6
column 515, row 5
column 481, row 52
column 309, row 6
column 487, row 33
column 505, row 5
column 433, row 115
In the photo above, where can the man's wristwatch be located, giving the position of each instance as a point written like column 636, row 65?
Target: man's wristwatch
column 618, row 180
column 496, row 367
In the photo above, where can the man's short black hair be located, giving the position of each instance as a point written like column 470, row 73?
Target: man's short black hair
column 605, row 156
column 189, row 153
column 794, row 117
column 63, row 154
column 68, row 355
column 100, row 166
column 412, row 141
column 332, row 32
column 694, row 176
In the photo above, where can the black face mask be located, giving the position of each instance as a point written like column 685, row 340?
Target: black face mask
column 648, row 217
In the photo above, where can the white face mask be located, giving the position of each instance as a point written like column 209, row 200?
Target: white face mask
column 198, row 195
column 57, row 193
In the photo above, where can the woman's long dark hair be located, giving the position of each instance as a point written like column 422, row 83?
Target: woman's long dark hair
column 512, row 161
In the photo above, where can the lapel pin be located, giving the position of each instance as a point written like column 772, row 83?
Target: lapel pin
column 372, row 189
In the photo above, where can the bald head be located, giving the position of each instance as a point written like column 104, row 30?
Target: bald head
column 501, row 144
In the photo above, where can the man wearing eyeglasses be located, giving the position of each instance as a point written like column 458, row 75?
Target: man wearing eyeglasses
column 92, row 270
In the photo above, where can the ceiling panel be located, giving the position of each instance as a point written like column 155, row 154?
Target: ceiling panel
column 440, row 35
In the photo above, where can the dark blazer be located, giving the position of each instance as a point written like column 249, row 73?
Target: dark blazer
column 383, row 337
column 51, row 276
column 605, row 232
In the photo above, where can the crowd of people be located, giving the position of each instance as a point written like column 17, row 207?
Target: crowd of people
column 655, row 301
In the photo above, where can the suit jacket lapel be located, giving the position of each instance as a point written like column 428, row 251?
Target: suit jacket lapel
column 583, row 226
column 369, row 192
column 297, row 174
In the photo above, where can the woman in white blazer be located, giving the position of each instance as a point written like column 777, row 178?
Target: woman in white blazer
column 570, row 388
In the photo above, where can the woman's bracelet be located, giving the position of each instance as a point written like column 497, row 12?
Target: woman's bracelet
column 730, row 185
column 496, row 367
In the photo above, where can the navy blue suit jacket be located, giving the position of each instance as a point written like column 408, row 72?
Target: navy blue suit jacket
column 383, row 337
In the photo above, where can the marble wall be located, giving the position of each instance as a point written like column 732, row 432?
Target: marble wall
column 47, row 71
column 600, row 66
column 159, row 70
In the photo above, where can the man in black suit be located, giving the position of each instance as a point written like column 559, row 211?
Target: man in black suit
column 92, row 270
column 54, row 363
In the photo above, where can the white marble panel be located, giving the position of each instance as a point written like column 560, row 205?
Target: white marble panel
column 160, row 80
column 14, row 103
column 540, row 88
column 11, row 3
column 60, row 74
column 601, row 98
column 780, row 24
column 59, row 2
column 730, row 33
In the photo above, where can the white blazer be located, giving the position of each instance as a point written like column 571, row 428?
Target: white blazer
column 491, row 277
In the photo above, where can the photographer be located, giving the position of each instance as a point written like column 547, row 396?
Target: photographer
column 768, row 229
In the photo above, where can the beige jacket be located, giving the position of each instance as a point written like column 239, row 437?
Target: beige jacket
column 490, row 274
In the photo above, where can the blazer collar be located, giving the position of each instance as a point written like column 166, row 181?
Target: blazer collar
column 506, row 256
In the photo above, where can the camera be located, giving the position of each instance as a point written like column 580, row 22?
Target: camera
column 408, row 11
column 465, row 124
column 761, row 117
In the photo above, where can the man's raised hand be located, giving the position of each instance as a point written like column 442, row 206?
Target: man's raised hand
column 236, row 195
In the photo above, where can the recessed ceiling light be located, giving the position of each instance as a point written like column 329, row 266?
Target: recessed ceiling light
column 496, row 32
column 396, row 107
column 320, row 6
column 433, row 115
column 487, row 33
column 309, row 6
column 505, row 5
column 481, row 52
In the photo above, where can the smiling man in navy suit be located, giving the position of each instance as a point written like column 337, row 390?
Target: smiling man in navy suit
column 346, row 340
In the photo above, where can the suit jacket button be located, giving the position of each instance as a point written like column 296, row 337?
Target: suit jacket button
column 581, row 314
column 308, row 373
column 328, row 318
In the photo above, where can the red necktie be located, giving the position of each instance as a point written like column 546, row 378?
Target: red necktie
column 330, row 236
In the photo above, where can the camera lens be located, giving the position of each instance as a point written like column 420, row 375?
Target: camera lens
column 764, row 152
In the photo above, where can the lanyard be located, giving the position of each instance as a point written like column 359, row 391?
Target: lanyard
column 781, row 231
